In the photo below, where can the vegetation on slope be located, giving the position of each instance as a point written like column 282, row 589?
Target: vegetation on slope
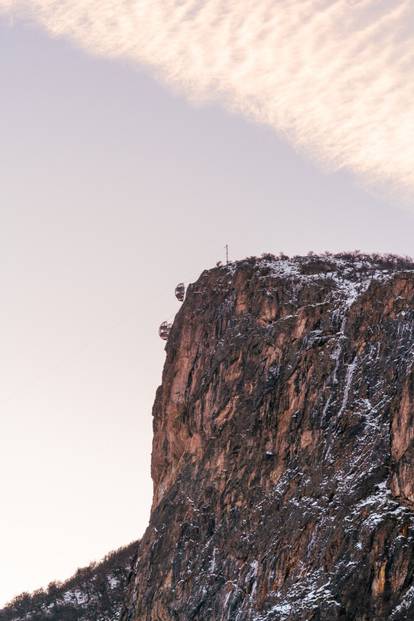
column 93, row 593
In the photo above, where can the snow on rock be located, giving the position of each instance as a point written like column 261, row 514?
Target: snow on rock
column 285, row 415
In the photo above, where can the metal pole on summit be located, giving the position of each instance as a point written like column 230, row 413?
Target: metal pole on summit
column 227, row 254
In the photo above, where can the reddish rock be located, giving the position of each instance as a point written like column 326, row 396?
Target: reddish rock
column 283, row 453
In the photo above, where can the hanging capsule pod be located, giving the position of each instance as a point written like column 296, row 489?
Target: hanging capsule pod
column 180, row 291
column 164, row 330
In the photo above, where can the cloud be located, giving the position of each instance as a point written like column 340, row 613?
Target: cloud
column 335, row 77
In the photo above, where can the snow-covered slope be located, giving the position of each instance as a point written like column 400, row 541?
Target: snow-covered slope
column 94, row 593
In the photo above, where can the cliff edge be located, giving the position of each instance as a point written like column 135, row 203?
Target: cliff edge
column 283, row 452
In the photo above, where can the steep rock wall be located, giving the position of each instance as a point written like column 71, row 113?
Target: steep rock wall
column 283, row 448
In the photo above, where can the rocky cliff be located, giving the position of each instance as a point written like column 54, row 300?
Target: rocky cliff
column 94, row 593
column 283, row 452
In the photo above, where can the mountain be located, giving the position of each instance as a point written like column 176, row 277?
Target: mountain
column 94, row 593
column 283, row 451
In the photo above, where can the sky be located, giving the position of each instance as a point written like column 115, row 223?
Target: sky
column 129, row 157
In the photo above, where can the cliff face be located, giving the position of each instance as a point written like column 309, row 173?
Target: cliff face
column 94, row 593
column 283, row 454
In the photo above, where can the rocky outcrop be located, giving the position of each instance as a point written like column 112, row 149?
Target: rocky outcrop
column 283, row 447
column 94, row 593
